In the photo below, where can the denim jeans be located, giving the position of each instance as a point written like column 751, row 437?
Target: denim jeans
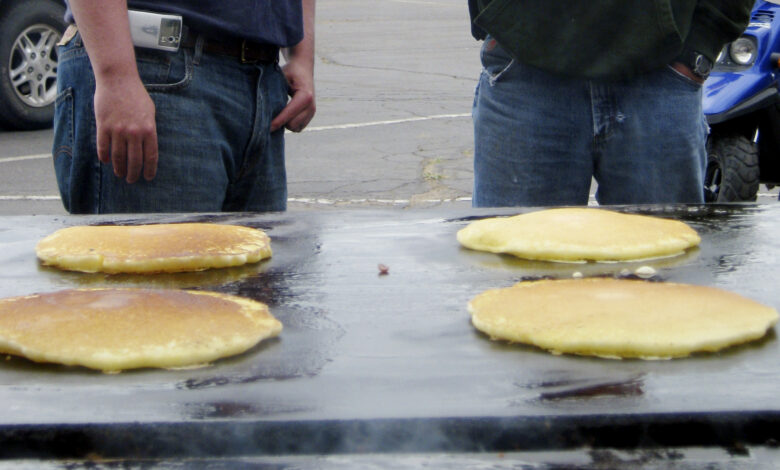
column 213, row 115
column 541, row 138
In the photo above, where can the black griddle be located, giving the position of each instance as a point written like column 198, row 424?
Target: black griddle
column 372, row 363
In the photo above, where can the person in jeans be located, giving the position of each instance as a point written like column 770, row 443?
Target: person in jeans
column 604, row 89
column 197, row 130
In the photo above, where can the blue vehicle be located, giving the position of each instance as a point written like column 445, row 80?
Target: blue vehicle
column 742, row 106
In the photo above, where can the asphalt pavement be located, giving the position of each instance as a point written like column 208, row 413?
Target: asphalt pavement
column 394, row 83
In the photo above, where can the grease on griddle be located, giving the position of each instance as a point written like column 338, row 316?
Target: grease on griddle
column 566, row 389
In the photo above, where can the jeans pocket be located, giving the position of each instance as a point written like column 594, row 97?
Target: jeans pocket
column 164, row 71
column 280, row 93
column 495, row 60
column 679, row 77
column 73, row 49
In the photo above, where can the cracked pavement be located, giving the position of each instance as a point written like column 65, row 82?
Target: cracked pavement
column 395, row 82
column 394, row 85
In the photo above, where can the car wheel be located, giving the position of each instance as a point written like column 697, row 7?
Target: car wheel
column 732, row 169
column 28, row 63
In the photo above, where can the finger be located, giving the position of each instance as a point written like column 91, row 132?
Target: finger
column 119, row 155
column 104, row 146
column 299, row 122
column 282, row 118
column 150, row 156
column 298, row 103
column 135, row 158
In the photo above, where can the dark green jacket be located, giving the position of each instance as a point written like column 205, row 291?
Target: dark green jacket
column 608, row 38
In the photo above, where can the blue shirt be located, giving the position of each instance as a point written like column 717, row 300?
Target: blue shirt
column 278, row 22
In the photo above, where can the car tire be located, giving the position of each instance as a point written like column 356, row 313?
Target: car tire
column 732, row 172
column 29, row 103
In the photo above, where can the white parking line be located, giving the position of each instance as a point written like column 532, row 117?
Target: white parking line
column 28, row 198
column 310, row 201
column 355, row 125
column 317, row 201
column 424, row 3
column 25, row 157
column 385, row 123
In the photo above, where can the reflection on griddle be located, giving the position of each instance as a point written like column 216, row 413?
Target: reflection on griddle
column 565, row 389
column 235, row 409
column 553, row 270
column 223, row 380
column 205, row 278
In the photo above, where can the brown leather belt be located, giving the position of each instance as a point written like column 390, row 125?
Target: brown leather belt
column 246, row 51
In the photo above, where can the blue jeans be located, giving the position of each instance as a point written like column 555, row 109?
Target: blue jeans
column 541, row 138
column 216, row 151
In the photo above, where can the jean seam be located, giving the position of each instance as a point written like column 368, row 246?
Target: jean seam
column 181, row 84
column 259, row 137
column 64, row 146
column 492, row 79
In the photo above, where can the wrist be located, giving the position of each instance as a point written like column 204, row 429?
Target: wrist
column 693, row 64
column 116, row 72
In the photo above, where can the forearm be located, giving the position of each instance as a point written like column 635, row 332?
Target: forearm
column 717, row 22
column 105, row 30
column 304, row 50
column 124, row 111
column 299, row 72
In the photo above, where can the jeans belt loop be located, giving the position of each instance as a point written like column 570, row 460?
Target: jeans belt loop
column 244, row 60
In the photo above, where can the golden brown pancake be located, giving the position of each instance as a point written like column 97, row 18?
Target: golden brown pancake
column 580, row 234
column 116, row 329
column 153, row 248
column 620, row 318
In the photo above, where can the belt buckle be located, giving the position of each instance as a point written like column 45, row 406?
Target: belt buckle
column 244, row 59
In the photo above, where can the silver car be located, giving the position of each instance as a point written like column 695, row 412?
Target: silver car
column 29, row 32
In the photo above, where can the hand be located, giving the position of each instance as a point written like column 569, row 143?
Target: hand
column 126, row 130
column 685, row 70
column 301, row 108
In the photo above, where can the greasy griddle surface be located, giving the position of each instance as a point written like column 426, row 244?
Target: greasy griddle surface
column 364, row 347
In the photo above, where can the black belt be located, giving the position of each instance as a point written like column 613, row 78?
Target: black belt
column 247, row 52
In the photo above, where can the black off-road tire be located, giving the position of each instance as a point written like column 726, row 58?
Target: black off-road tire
column 732, row 169
column 14, row 112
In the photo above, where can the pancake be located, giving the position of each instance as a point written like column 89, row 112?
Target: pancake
column 117, row 329
column 579, row 235
column 614, row 318
column 153, row 248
